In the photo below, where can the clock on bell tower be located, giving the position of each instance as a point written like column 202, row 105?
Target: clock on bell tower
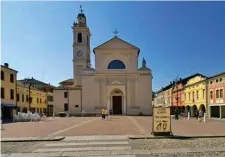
column 81, row 46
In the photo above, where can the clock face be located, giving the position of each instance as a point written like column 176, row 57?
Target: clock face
column 79, row 53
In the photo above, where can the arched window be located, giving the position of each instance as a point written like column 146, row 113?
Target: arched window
column 79, row 37
column 116, row 64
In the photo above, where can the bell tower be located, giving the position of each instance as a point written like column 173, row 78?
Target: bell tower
column 81, row 46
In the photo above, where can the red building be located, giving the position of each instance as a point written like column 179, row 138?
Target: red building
column 215, row 96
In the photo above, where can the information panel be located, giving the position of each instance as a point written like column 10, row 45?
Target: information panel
column 161, row 120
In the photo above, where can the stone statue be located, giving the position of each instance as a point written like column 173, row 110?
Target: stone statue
column 143, row 63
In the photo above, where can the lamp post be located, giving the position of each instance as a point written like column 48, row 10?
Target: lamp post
column 29, row 84
column 176, row 88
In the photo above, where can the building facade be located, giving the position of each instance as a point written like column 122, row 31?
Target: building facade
column 164, row 96
column 195, row 94
column 159, row 99
column 8, row 92
column 38, row 99
column 177, row 92
column 45, row 88
column 116, row 83
column 216, row 98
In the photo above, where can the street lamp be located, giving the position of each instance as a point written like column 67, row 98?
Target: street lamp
column 175, row 86
column 29, row 84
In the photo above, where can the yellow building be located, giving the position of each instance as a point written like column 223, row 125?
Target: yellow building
column 8, row 91
column 38, row 98
column 195, row 94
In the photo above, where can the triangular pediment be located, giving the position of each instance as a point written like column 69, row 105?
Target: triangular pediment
column 116, row 43
column 116, row 83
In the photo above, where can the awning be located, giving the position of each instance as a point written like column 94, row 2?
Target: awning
column 7, row 105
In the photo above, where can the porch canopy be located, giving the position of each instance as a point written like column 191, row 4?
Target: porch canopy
column 7, row 105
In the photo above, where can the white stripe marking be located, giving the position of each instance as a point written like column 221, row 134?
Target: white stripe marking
column 85, row 143
column 82, row 149
column 69, row 128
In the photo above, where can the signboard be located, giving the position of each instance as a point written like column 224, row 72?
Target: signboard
column 161, row 121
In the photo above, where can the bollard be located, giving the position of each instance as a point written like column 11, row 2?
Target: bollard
column 204, row 117
column 188, row 115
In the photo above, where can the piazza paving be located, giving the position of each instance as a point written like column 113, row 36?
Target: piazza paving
column 115, row 125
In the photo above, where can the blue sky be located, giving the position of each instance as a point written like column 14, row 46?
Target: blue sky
column 174, row 37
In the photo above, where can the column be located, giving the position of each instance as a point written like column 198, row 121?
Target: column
column 133, row 92
column 103, row 92
column 128, row 93
column 100, row 93
column 124, row 104
column 136, row 93
column 209, row 111
column 108, row 103
column 220, row 112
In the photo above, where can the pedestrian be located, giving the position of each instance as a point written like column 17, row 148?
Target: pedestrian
column 176, row 114
column 196, row 113
column 200, row 115
column 106, row 114
column 103, row 113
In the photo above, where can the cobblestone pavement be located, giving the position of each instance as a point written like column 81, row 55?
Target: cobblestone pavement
column 115, row 125
column 118, row 146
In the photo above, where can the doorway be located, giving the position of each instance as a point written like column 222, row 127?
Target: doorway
column 117, row 104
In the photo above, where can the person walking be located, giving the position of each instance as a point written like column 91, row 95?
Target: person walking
column 103, row 113
column 176, row 114
column 196, row 113
column 106, row 114
column 200, row 115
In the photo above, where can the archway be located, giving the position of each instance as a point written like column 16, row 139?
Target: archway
column 187, row 109
column 202, row 107
column 117, row 102
column 193, row 109
column 182, row 109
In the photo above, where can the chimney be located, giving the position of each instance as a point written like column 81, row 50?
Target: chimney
column 32, row 78
column 6, row 65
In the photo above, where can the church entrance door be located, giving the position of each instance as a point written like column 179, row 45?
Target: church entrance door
column 117, row 104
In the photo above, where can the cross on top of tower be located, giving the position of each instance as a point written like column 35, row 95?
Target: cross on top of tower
column 81, row 10
column 115, row 32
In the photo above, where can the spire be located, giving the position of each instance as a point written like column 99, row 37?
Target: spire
column 81, row 10
column 81, row 18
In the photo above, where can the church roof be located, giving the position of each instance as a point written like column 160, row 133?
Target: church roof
column 144, row 69
column 67, row 88
column 66, row 81
column 116, row 38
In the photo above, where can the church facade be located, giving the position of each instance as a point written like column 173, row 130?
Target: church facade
column 116, row 83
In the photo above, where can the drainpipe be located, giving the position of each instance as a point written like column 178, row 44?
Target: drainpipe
column 68, row 100
column 126, row 96
column 16, row 95
column 206, row 95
